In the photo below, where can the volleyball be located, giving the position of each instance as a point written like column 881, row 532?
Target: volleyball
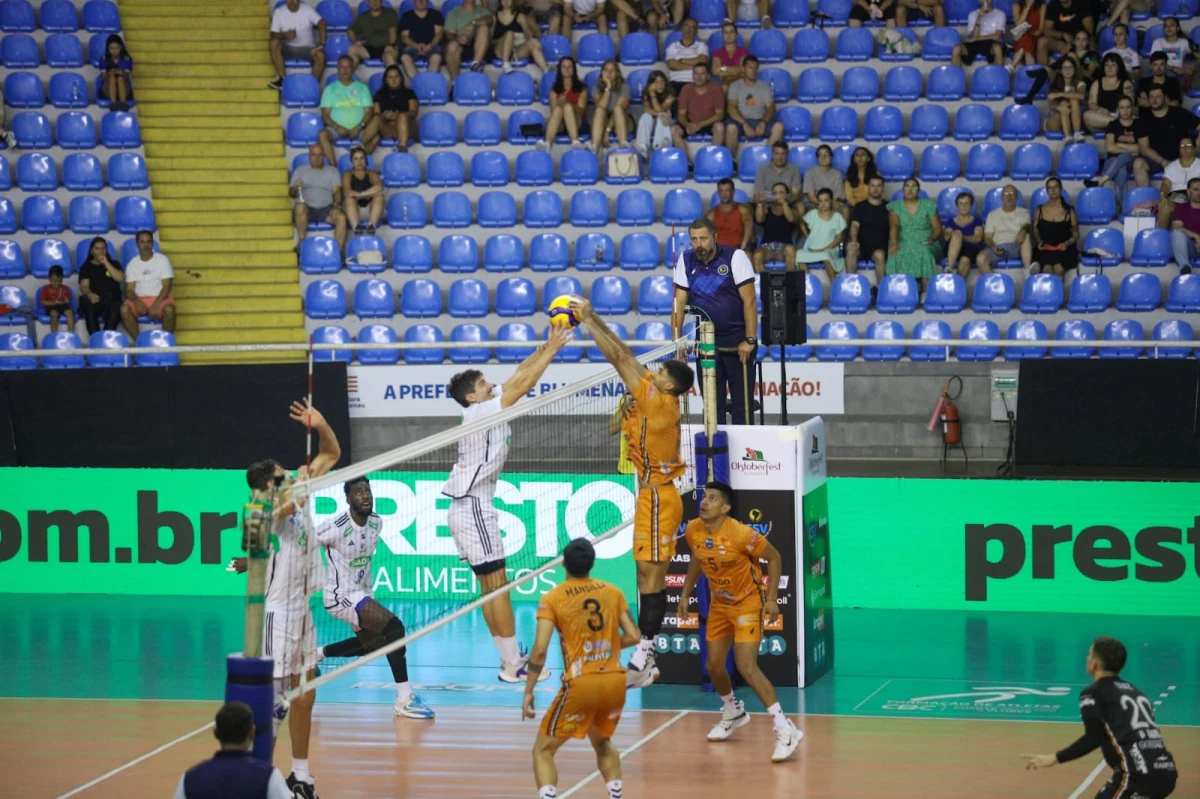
column 561, row 314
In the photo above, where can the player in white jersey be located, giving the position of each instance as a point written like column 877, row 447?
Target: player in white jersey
column 473, row 520
column 349, row 541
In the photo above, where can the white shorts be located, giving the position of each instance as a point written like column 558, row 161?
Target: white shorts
column 475, row 527
column 290, row 639
column 346, row 607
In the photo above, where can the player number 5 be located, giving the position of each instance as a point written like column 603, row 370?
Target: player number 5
column 596, row 622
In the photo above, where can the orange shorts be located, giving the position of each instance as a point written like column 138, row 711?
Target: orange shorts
column 587, row 702
column 148, row 301
column 744, row 621
column 656, row 522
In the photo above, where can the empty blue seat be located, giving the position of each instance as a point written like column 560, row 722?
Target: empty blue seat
column 594, row 252
column 6, row 182
column 973, row 122
column 1019, row 123
column 816, row 85
column 1123, row 330
column 1032, row 162
column 979, row 330
column 769, row 46
column 1078, row 161
column 651, row 331
column 337, row 14
column 497, row 209
column 548, row 252
column 611, row 294
column 16, row 16
column 400, row 171
column 535, row 168
column 101, row 16
column 489, row 169
column 558, row 286
column 300, row 90
column 668, row 165
column 113, row 340
column 420, row 299
column 423, row 334
column 319, row 255
column 42, row 214
column 366, row 254
column 23, row 90
column 639, row 49
column 860, row 85
column 45, row 253
column 1140, row 291
column 895, row 162
column 325, row 299
column 883, row 330
column 929, row 123
column 470, row 332
column 854, row 44
column 472, row 88
column 126, row 171
column 939, row 43
column 431, row 90
column 482, row 128
column 88, row 214
column 635, row 207
column 451, row 209
column 515, row 88
column 543, row 209
column 20, row 50
column 1096, row 206
column 930, row 330
column 8, row 216
column 790, row 13
column 838, row 123
column 76, row 131
column 1105, row 239
column 780, row 81
column 156, row 338
column 989, row 82
column 946, row 83
column 639, row 251
column 589, row 208
column 986, row 161
column 302, row 129
column 332, row 334
column 1074, row 330
column 752, row 157
column 1042, row 293
column 1023, row 82
column 118, row 130
column 656, row 294
column 594, row 49
column 458, row 253
column 95, row 49
column 503, row 252
column 579, row 168
column 1025, row 330
column 36, row 172
column 516, row 296
column 994, row 293
column 468, row 299
column 883, row 123
column 131, row 214
column 958, row 10
column 837, row 329
column 1172, row 330
column 1090, row 294
column 810, row 46
column 939, row 162
column 902, row 84
column 12, row 342
column 378, row 334
column 1184, row 294
column 437, row 128
column 814, row 293
column 682, row 207
column 850, row 294
column 411, row 254
column 554, row 47
column 12, row 260
column 713, row 163
column 595, row 355
column 515, row 331
column 897, row 294
column 406, row 210
column 444, row 170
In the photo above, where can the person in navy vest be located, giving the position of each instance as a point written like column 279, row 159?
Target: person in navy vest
column 233, row 772
column 719, row 280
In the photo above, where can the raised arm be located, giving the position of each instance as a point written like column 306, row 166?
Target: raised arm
column 328, row 450
column 533, row 367
column 615, row 351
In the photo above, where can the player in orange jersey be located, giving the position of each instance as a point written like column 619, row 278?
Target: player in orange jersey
column 651, row 428
column 594, row 624
column 728, row 553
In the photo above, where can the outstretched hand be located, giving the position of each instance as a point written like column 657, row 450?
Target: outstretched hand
column 559, row 337
column 304, row 413
column 581, row 308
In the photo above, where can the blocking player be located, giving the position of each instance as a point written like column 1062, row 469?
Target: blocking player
column 651, row 427
column 1119, row 719
column 293, row 575
column 349, row 542
column 473, row 518
column 593, row 624
column 728, row 552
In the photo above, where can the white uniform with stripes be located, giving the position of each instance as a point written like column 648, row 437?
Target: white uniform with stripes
column 474, row 522
column 349, row 579
column 294, row 572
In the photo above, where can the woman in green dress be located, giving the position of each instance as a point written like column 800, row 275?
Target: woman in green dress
column 914, row 233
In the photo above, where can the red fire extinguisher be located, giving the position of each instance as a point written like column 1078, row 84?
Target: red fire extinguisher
column 951, row 424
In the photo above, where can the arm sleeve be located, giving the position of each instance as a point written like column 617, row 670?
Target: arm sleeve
column 276, row 27
column 326, row 98
column 741, row 268
column 179, row 792
column 277, row 787
column 311, row 16
column 755, row 541
column 681, row 278
column 545, row 611
column 325, row 533
column 1093, row 734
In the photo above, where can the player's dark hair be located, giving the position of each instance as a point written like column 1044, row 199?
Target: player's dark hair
column 578, row 557
column 1110, row 652
column 681, row 376
column 234, row 723
column 463, row 384
column 725, row 490
column 260, row 474
column 348, row 486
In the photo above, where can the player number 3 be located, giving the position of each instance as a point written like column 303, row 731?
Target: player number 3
column 596, row 622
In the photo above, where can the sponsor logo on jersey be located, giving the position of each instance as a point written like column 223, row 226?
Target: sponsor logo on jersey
column 360, row 562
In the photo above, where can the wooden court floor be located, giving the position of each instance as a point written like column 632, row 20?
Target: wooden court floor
column 119, row 748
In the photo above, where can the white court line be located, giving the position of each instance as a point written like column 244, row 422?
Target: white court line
column 1083, row 786
column 137, row 760
column 872, row 694
column 630, row 750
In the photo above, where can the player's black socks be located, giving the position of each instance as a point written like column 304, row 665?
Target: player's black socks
column 347, row 648
column 651, row 613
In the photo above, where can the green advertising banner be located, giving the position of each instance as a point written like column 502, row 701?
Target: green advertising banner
column 102, row 531
column 818, row 595
column 1024, row 545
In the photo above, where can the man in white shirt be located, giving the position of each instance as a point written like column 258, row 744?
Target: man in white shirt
column 581, row 12
column 148, row 281
column 292, row 38
column 1176, row 176
column 1006, row 233
column 685, row 53
column 985, row 26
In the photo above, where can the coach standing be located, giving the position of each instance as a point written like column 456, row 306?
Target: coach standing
column 233, row 772
column 719, row 280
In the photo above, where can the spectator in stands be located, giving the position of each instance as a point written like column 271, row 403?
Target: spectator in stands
column 1060, row 22
column 581, row 12
column 148, row 281
column 1087, row 59
column 864, row 11
column 733, row 220
column 655, row 124
column 317, row 190
column 546, row 13
column 362, row 189
column 780, row 170
column 858, row 176
column 346, row 108
column 421, row 33
column 1160, row 130
column 727, row 60
column 635, row 15
column 1055, row 232
column 116, row 68
column 610, row 97
column 292, row 38
column 684, row 55
column 100, row 288
column 867, row 239
column 468, row 25
column 568, row 105
column 912, row 10
column 395, row 115
column 777, row 220
column 750, row 107
column 1172, row 89
column 1175, row 46
column 1129, row 55
column 515, row 35
column 824, row 230
column 1122, row 9
column 1027, row 31
column 373, row 34
column 756, row 12
column 825, row 176
column 701, row 110
column 962, row 236
column 1104, row 95
column 1176, row 176
column 1067, row 91
column 985, row 29
column 914, row 231
column 1122, row 150
column 1006, row 233
column 10, row 140
column 234, row 764
column 56, row 300
column 1185, row 228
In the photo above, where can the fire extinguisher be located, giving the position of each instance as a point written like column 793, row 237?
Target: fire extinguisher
column 951, row 424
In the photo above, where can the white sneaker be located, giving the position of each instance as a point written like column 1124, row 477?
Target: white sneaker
column 640, row 678
column 1035, row 268
column 507, row 67
column 542, row 144
column 730, row 721
column 578, row 145
column 786, row 742
column 518, row 672
column 10, row 139
column 413, row 708
column 766, row 23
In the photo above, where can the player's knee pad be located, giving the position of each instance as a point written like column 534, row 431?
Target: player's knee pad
column 651, row 613
column 393, row 630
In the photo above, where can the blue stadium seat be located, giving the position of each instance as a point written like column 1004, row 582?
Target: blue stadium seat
column 797, row 123
column 594, row 252
column 516, row 296
column 837, row 329
column 596, row 48
column 1105, row 239
column 45, row 253
column 810, row 46
column 790, row 13
column 82, row 172
column 64, row 51
column 1032, row 162
column 897, row 294
column 36, row 172
column 88, row 214
column 543, row 209
column 1025, row 330
column 883, row 330
column 1096, row 206
column 780, row 81
column 651, row 331
column 378, row 334
column 107, row 340
column 676, row 245
column 437, row 128
column 535, row 168
column 1078, row 161
column 595, row 355
column 76, row 131
column 850, row 294
column 421, row 298
column 458, row 253
column 814, row 293
column 895, row 162
column 406, row 210
column 656, row 294
column 639, row 251
column 515, row 331
column 989, row 82
column 13, row 297
column 337, row 14
column 20, row 50
column 978, row 330
column 1123, row 330
column 515, row 88
column 1020, row 123
column 548, row 252
column 6, row 182
column 300, row 90
column 939, row 162
column 42, row 214
column 497, row 209
column 119, row 130
column 451, row 209
column 635, row 208
column 23, row 90
column 356, row 246
column 668, row 165
column 1184, row 294
column 16, row 16
column 411, row 254
column 883, row 123
column 444, row 170
column 854, row 44
column 12, row 260
column 101, row 16
column 973, row 122
column 1172, row 330
column 838, row 123
column 156, row 338
column 929, row 123
column 708, row 13
column 752, row 157
column 472, row 88
column 554, row 47
column 579, row 168
column 1042, row 293
column 994, row 293
column 503, row 252
column 431, row 89
column 8, row 216
column 95, row 49
column 902, row 84
column 126, row 171
column 468, row 299
column 816, row 85
column 470, row 332
column 682, row 207
column 1134, row 197
column 769, row 46
column 713, row 163
column 319, row 255
column 302, row 129
column 1140, row 291
column 1023, row 82
column 946, row 84
column 400, row 171
column 958, row 10
column 939, row 43
column 639, row 49
column 482, row 128
column 611, row 294
column 589, row 208
column 567, row 354
column 131, row 214
column 489, row 169
column 1090, row 294
column 1074, row 330
column 860, row 85
column 325, row 299
column 930, row 330
column 556, row 287
column 423, row 334
column 332, row 334
column 637, row 84
column 16, row 341
column 986, row 161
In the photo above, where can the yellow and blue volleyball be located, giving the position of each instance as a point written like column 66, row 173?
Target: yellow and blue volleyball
column 561, row 314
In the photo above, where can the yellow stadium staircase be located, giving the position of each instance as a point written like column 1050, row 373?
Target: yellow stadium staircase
column 215, row 154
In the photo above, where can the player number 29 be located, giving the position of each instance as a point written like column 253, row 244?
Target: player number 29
column 1141, row 713
column 596, row 622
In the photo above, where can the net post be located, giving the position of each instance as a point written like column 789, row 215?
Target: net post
column 708, row 374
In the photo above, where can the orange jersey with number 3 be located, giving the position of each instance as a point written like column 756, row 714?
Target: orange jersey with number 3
column 729, row 559
column 587, row 614
column 652, row 430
